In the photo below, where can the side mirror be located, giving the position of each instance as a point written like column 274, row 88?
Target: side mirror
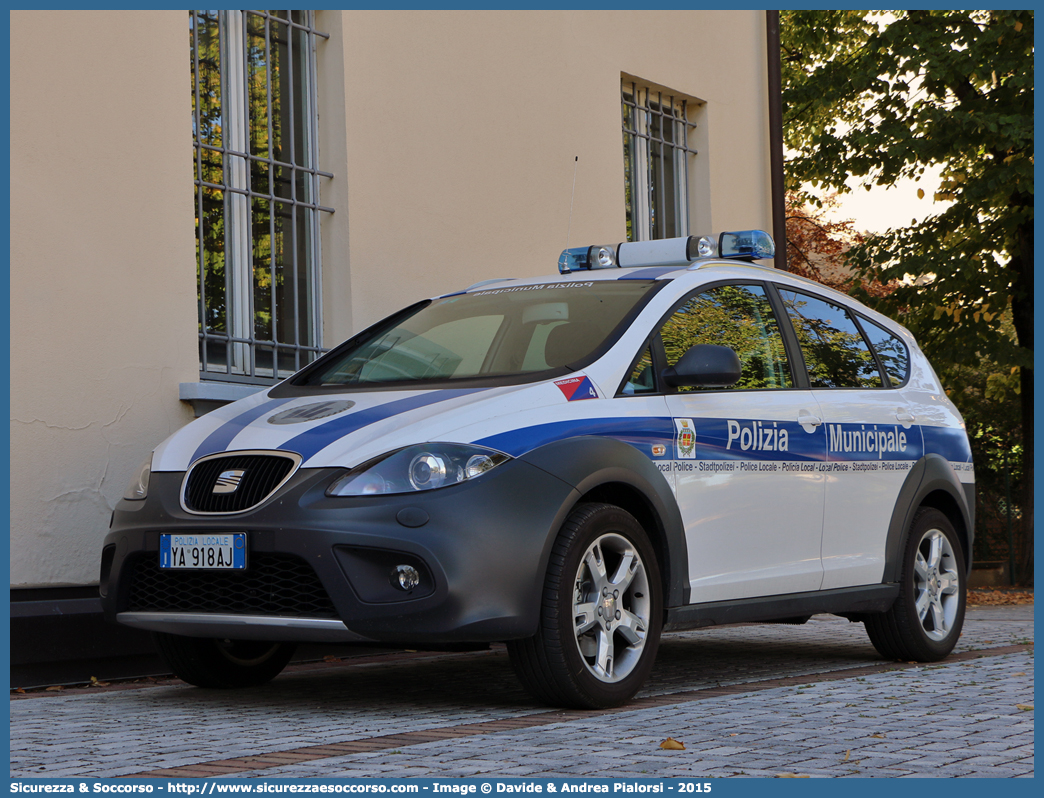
column 705, row 366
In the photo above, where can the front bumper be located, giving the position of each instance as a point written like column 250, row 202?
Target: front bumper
column 242, row 627
column 481, row 548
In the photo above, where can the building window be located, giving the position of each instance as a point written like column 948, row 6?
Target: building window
column 254, row 126
column 657, row 157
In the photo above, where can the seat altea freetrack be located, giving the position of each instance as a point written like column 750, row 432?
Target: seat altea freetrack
column 663, row 436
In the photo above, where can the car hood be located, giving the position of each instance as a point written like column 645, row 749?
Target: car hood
column 349, row 428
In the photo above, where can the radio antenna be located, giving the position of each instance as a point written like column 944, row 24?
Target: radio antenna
column 573, row 194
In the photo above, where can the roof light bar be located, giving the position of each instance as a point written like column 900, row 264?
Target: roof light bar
column 576, row 258
column 747, row 245
column 680, row 252
column 663, row 252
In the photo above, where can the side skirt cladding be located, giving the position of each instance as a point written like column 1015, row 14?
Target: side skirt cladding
column 608, row 470
column 847, row 601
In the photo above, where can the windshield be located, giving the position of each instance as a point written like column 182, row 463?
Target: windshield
column 501, row 332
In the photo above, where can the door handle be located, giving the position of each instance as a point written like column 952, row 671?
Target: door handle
column 806, row 420
column 904, row 418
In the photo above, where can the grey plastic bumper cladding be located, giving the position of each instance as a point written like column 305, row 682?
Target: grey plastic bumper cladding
column 242, row 627
column 482, row 554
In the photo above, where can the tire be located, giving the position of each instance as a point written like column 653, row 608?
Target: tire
column 924, row 623
column 601, row 613
column 223, row 663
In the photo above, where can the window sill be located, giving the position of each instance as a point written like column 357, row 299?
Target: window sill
column 207, row 396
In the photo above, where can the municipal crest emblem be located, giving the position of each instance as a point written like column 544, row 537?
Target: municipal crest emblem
column 685, row 442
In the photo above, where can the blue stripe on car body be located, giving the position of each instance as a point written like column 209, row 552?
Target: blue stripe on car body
column 713, row 439
column 318, row 438
column 639, row 432
column 219, row 439
column 643, row 432
column 948, row 442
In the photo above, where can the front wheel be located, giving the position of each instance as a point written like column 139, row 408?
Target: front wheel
column 924, row 623
column 223, row 663
column 601, row 613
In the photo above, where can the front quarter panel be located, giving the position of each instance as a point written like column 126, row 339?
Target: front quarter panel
column 591, row 463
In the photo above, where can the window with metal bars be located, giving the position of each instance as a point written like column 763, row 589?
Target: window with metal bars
column 255, row 131
column 657, row 132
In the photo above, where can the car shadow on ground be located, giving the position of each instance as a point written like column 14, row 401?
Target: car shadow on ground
column 485, row 681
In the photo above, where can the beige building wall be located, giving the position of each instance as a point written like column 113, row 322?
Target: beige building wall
column 103, row 313
column 462, row 130
column 451, row 137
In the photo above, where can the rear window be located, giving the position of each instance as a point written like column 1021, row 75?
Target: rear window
column 836, row 354
column 502, row 332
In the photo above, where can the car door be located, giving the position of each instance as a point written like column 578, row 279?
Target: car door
column 871, row 437
column 746, row 459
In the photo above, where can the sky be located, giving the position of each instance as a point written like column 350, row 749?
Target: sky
column 880, row 208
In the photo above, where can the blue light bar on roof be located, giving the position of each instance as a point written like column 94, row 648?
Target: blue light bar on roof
column 746, row 245
column 680, row 252
column 577, row 258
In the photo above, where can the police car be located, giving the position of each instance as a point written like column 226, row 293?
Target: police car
column 663, row 436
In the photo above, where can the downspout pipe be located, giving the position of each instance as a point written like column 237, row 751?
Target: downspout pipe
column 775, row 102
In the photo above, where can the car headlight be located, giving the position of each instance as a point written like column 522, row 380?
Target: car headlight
column 139, row 486
column 423, row 467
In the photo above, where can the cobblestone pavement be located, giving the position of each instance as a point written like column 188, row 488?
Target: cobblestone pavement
column 755, row 700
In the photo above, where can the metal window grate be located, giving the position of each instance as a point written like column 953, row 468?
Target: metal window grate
column 656, row 130
column 255, row 131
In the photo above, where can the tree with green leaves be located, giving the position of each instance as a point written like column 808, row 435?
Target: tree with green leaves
column 882, row 96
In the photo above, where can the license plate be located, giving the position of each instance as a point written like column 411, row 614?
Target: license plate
column 210, row 551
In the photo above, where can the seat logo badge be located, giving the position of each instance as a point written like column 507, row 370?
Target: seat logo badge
column 686, row 439
column 228, row 481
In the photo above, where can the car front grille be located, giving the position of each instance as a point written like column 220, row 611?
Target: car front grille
column 273, row 584
column 234, row 483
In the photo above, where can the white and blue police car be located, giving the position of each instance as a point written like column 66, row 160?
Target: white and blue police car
column 664, row 436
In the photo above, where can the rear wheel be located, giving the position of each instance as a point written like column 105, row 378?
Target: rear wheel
column 601, row 613
column 223, row 663
column 926, row 619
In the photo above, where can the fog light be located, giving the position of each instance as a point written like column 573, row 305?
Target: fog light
column 405, row 577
